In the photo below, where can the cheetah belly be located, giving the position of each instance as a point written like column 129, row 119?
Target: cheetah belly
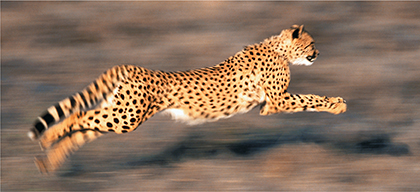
column 180, row 115
column 246, row 103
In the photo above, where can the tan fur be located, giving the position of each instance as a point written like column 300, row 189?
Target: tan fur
column 127, row 95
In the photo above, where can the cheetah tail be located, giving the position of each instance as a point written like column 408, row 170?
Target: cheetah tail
column 63, row 149
column 89, row 97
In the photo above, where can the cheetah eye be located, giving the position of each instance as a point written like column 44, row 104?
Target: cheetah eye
column 309, row 45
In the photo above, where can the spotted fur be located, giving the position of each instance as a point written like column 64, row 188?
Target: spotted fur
column 125, row 96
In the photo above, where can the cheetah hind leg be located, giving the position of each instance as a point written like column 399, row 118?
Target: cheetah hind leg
column 63, row 148
column 63, row 139
column 60, row 130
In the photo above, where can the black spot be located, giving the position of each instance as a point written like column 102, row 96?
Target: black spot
column 116, row 120
column 133, row 120
column 125, row 127
column 109, row 124
column 105, row 116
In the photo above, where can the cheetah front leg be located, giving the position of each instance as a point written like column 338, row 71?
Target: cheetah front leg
column 296, row 103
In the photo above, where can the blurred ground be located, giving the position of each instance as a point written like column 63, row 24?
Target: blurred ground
column 369, row 56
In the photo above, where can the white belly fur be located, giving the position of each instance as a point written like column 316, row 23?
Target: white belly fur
column 180, row 115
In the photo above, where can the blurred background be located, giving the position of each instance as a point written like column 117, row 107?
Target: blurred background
column 369, row 55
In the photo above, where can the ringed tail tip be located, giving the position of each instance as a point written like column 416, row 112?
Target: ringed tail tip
column 32, row 135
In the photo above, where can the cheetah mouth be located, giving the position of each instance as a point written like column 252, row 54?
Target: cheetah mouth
column 303, row 61
column 311, row 58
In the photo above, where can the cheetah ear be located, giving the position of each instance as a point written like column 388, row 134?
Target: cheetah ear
column 297, row 32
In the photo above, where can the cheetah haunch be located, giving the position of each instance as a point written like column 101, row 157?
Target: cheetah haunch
column 125, row 96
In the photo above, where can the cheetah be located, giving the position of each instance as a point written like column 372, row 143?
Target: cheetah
column 125, row 96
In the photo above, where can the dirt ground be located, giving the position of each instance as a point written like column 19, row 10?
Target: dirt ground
column 369, row 56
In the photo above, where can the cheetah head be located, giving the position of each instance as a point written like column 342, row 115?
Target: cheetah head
column 298, row 46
